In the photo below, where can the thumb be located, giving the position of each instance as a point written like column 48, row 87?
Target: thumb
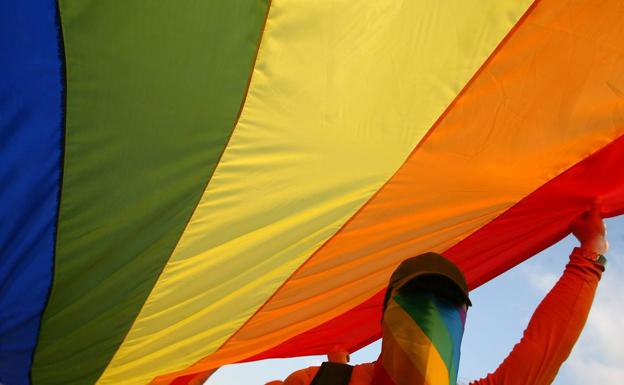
column 576, row 225
column 594, row 212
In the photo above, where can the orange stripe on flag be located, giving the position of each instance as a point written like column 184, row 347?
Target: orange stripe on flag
column 544, row 102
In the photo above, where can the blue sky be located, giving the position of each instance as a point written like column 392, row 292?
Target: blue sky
column 501, row 310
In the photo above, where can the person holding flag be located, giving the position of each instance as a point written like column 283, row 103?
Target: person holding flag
column 424, row 313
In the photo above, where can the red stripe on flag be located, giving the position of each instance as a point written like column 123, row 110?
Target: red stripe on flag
column 533, row 224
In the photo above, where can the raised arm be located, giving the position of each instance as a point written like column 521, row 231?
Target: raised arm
column 559, row 319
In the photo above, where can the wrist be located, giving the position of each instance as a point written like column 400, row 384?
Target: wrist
column 590, row 254
column 597, row 245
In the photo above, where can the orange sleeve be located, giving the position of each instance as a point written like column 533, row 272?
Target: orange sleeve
column 362, row 375
column 553, row 329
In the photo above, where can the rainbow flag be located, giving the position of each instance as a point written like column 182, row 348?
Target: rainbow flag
column 190, row 184
column 421, row 340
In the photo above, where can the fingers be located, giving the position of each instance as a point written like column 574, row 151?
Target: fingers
column 594, row 219
column 590, row 229
column 338, row 354
column 576, row 224
column 596, row 204
column 594, row 211
column 590, row 223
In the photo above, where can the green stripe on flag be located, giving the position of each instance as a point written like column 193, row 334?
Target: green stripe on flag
column 153, row 92
column 421, row 309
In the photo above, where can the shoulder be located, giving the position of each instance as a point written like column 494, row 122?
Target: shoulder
column 302, row 377
column 363, row 373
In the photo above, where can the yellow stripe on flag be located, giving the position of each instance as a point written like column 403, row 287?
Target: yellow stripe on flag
column 526, row 118
column 341, row 93
column 412, row 340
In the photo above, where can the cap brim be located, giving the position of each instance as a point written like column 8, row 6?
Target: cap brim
column 460, row 291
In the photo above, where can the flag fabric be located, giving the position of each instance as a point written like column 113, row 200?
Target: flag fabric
column 185, row 185
column 421, row 341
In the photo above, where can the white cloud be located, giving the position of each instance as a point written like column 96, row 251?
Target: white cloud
column 598, row 357
column 539, row 278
